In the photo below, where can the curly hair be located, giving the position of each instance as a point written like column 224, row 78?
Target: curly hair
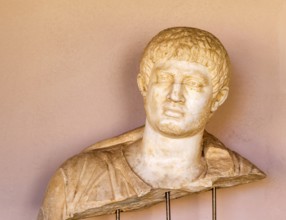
column 187, row 44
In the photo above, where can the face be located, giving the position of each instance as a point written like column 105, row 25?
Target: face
column 179, row 96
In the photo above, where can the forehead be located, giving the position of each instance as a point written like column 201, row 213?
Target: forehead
column 181, row 67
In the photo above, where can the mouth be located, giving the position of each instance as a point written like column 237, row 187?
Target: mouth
column 174, row 113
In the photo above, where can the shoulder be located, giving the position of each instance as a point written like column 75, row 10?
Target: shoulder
column 227, row 167
column 98, row 159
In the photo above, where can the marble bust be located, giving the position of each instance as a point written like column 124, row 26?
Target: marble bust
column 184, row 78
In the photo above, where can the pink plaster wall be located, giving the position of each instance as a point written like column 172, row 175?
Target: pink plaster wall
column 68, row 79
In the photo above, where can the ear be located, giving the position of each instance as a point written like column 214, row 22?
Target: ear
column 220, row 98
column 142, row 84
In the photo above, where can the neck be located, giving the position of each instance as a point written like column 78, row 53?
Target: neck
column 167, row 162
column 159, row 146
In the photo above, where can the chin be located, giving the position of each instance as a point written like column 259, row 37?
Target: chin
column 175, row 131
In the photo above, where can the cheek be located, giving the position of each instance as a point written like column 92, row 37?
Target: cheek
column 156, row 96
column 197, row 102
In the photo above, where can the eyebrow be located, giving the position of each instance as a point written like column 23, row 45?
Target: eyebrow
column 198, row 76
column 164, row 73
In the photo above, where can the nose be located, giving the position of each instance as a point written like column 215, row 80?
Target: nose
column 176, row 93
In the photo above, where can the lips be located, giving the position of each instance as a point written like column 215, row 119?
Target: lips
column 173, row 112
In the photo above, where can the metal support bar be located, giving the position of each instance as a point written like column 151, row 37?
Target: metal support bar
column 214, row 203
column 117, row 213
column 168, row 207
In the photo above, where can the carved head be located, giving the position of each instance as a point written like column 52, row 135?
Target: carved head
column 184, row 77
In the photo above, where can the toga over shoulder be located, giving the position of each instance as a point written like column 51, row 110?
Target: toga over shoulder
column 99, row 180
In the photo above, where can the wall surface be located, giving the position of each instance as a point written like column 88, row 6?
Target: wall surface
column 68, row 79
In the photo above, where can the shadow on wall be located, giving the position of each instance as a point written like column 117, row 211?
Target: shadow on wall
column 131, row 96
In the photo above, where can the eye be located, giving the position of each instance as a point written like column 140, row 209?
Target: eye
column 194, row 83
column 164, row 77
